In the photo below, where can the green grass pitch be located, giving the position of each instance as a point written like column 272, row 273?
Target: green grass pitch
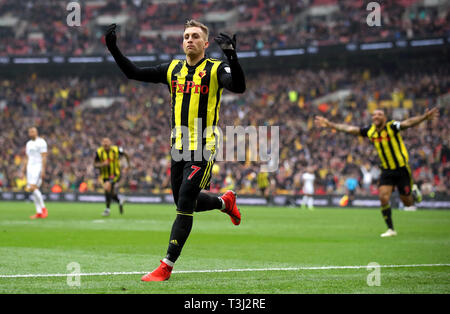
column 275, row 248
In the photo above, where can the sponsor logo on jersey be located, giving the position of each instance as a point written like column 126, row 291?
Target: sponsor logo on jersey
column 189, row 87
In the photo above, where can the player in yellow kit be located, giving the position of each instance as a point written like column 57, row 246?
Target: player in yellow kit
column 394, row 159
column 107, row 160
column 195, row 85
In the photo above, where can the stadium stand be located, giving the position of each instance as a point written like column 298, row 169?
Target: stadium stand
column 259, row 24
column 137, row 117
column 74, row 111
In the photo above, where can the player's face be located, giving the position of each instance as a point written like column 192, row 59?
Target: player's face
column 32, row 133
column 378, row 118
column 106, row 143
column 194, row 41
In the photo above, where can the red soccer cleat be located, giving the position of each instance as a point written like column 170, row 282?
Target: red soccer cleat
column 230, row 207
column 44, row 213
column 159, row 274
column 36, row 216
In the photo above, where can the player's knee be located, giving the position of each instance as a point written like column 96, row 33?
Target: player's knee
column 384, row 199
column 186, row 204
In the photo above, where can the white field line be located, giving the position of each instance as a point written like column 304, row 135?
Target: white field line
column 225, row 270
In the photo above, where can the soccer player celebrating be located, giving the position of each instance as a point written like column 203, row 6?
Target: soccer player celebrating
column 107, row 159
column 386, row 137
column 195, row 86
column 34, row 169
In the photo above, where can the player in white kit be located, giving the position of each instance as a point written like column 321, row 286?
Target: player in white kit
column 34, row 169
column 308, row 188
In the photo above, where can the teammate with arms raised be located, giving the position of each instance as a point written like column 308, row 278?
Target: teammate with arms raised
column 387, row 139
column 34, row 166
column 195, row 86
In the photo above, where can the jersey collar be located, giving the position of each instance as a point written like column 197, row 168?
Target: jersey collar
column 196, row 65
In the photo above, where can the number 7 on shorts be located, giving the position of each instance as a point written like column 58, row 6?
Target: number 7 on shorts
column 196, row 169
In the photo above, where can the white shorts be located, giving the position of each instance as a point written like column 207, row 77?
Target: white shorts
column 34, row 175
column 308, row 190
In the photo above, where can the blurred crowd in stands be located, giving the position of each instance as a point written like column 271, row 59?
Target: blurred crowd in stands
column 39, row 27
column 139, row 121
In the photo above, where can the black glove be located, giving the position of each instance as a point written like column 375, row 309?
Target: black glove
column 110, row 35
column 227, row 44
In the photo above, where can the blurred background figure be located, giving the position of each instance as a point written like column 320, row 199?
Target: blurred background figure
column 351, row 183
column 308, row 188
column 366, row 179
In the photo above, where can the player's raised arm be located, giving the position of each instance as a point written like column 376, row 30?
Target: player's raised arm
column 127, row 158
column 123, row 153
column 153, row 74
column 325, row 123
column 429, row 114
column 232, row 76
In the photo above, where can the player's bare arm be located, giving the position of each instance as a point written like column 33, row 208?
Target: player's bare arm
column 346, row 128
column 127, row 158
column 429, row 114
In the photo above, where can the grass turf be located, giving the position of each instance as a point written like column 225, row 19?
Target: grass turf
column 269, row 237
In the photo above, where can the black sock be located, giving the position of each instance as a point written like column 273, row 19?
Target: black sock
column 207, row 202
column 180, row 232
column 107, row 199
column 387, row 215
column 115, row 197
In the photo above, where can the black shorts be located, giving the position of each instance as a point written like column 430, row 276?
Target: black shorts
column 112, row 180
column 401, row 178
column 188, row 178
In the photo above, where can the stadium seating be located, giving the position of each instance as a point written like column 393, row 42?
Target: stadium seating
column 139, row 120
column 155, row 26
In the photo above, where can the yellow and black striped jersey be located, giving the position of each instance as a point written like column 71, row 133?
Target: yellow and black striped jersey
column 262, row 179
column 195, row 96
column 389, row 144
column 113, row 155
